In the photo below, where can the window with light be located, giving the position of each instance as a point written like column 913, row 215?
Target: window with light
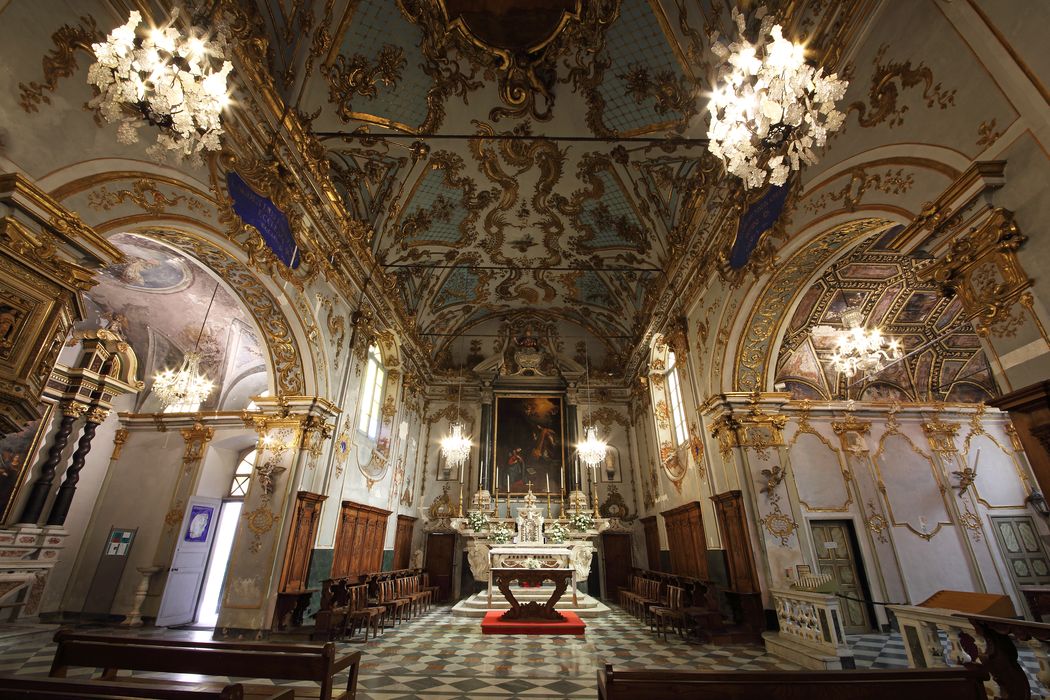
column 674, row 397
column 242, row 476
column 372, row 395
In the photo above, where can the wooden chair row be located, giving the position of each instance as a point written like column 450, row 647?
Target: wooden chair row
column 377, row 601
column 30, row 687
column 292, row 662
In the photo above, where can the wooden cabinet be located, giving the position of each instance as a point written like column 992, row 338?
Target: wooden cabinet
column 359, row 540
column 732, row 522
column 685, row 539
column 652, row 542
column 403, row 542
column 305, row 518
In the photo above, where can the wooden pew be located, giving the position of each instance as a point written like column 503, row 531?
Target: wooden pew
column 296, row 662
column 25, row 687
column 906, row 684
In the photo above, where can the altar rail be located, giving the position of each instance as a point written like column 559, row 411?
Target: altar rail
column 937, row 638
column 811, row 625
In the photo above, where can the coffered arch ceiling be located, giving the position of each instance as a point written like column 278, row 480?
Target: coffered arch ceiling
column 517, row 154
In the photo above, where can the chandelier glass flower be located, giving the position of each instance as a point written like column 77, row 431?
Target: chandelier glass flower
column 186, row 388
column 160, row 77
column 857, row 348
column 770, row 108
column 592, row 450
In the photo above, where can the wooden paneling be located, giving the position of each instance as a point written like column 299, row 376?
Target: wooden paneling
column 652, row 542
column 685, row 539
column 305, row 518
column 440, row 560
column 1029, row 410
column 617, row 562
column 732, row 521
column 359, row 540
column 403, row 542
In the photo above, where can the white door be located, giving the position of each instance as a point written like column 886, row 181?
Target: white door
column 178, row 605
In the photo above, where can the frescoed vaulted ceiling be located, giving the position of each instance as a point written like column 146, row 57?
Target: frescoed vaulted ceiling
column 513, row 153
column 943, row 356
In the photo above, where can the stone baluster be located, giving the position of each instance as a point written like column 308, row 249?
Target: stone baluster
column 134, row 616
column 42, row 486
column 64, row 498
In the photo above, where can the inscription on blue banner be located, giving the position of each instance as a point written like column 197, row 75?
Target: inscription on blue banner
column 758, row 219
column 264, row 215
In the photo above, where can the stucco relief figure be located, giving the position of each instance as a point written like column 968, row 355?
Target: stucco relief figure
column 478, row 558
column 8, row 321
column 417, row 558
column 581, row 560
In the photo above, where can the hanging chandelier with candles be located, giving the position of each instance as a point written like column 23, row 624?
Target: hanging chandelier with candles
column 592, row 450
column 770, row 108
column 455, row 447
column 187, row 387
column 161, row 77
column 857, row 348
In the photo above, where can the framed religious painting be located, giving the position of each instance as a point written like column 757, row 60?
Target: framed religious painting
column 609, row 470
column 16, row 454
column 529, row 443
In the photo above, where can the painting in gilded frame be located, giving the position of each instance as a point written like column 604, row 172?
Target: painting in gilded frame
column 16, row 454
column 529, row 443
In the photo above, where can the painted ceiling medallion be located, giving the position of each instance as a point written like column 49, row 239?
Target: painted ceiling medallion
column 520, row 41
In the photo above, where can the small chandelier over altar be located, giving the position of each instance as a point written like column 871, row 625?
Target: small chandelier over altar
column 160, row 77
column 185, row 387
column 857, row 348
column 455, row 447
column 769, row 108
column 592, row 450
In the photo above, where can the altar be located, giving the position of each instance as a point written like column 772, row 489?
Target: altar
column 531, row 557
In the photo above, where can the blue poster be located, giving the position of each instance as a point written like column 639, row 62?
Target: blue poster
column 200, row 523
column 759, row 218
column 264, row 215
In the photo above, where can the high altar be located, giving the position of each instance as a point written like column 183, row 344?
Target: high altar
column 533, row 548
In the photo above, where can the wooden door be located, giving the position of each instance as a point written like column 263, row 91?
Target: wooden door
column 307, row 515
column 736, row 542
column 359, row 540
column 617, row 562
column 403, row 542
column 837, row 556
column 685, row 539
column 1020, row 546
column 652, row 542
column 178, row 603
column 440, row 558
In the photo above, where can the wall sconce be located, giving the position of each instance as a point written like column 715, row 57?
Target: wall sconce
column 1038, row 503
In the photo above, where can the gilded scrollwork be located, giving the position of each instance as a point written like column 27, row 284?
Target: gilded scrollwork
column 350, row 76
column 60, row 62
column 889, row 79
column 860, row 182
column 145, row 194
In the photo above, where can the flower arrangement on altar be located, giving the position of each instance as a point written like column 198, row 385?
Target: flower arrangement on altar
column 556, row 533
column 501, row 534
column 532, row 563
column 581, row 521
column 477, row 521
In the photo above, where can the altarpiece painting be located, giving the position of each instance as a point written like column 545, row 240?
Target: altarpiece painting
column 530, row 443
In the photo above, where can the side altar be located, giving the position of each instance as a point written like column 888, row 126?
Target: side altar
column 525, row 547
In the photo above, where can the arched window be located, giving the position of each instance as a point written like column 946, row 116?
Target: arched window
column 372, row 395
column 242, row 476
column 674, row 397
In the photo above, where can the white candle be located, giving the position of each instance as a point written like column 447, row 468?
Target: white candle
column 508, row 484
column 548, row 483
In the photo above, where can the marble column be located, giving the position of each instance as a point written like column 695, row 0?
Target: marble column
column 34, row 506
column 485, row 467
column 572, row 483
column 64, row 498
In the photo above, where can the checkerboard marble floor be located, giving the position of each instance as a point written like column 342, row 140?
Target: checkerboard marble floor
column 443, row 657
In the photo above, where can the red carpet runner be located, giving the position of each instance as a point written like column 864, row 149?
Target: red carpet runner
column 492, row 625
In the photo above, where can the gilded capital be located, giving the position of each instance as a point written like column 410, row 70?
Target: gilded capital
column 74, row 409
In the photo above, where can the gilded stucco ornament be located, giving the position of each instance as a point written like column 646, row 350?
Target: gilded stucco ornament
column 888, row 80
column 60, row 62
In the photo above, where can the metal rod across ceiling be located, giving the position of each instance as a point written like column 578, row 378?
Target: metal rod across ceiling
column 657, row 140
column 438, row 266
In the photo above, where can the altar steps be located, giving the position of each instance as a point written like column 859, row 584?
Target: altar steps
column 477, row 604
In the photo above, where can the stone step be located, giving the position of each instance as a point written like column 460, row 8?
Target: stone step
column 477, row 604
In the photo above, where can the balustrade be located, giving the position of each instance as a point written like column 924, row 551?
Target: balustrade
column 814, row 622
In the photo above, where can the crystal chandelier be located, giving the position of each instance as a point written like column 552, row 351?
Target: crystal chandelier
column 166, row 79
column 769, row 108
column 455, row 447
column 187, row 387
column 592, row 450
column 856, row 348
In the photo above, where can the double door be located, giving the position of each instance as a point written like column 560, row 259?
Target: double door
column 837, row 556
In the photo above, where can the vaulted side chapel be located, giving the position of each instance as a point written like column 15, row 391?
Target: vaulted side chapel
column 538, row 348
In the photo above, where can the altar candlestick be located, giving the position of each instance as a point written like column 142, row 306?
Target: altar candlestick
column 461, row 499
column 548, row 503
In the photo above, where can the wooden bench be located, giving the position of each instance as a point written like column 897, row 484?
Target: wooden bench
column 296, row 662
column 24, row 687
column 906, row 684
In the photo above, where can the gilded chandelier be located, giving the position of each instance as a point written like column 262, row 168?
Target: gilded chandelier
column 769, row 108
column 163, row 78
column 857, row 348
column 185, row 387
